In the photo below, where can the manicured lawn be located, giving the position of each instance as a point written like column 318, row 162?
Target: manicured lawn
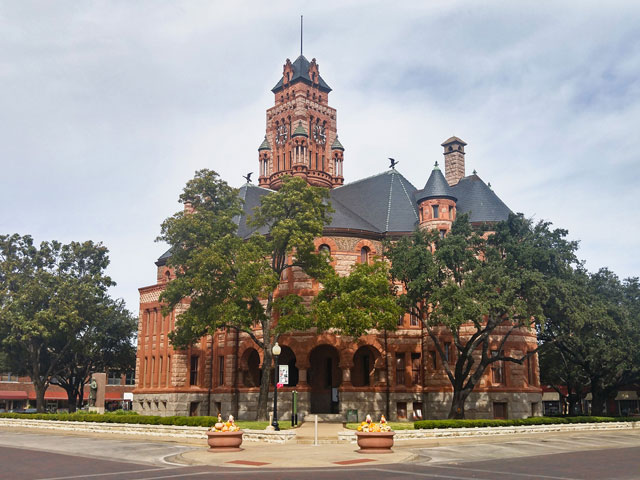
column 393, row 425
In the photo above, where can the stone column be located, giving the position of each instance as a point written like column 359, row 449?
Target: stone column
column 302, row 377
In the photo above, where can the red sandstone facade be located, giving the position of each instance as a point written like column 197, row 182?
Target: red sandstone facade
column 399, row 371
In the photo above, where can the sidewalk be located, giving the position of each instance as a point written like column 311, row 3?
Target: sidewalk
column 329, row 453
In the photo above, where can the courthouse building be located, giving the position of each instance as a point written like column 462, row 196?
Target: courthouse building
column 333, row 374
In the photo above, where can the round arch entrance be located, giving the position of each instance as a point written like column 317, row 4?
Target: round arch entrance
column 324, row 378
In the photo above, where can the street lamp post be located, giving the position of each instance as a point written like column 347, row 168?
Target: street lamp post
column 276, row 352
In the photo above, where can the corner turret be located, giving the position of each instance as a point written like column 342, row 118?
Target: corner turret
column 436, row 203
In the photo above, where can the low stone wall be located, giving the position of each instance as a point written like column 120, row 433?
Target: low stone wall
column 176, row 432
column 430, row 434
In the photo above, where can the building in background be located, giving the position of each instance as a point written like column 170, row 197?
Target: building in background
column 18, row 394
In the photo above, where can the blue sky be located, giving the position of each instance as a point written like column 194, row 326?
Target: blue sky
column 108, row 108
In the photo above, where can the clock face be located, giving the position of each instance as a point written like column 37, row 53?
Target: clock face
column 281, row 134
column 319, row 134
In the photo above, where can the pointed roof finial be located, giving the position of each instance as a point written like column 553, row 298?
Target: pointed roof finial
column 300, row 35
column 435, row 166
column 394, row 162
column 474, row 172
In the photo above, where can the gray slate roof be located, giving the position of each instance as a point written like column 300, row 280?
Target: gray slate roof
column 436, row 187
column 384, row 200
column 251, row 195
column 383, row 204
column 301, row 73
column 479, row 201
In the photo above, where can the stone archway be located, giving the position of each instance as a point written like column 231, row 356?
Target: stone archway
column 250, row 366
column 324, row 378
column 364, row 366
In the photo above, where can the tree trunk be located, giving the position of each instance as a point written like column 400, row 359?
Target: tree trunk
column 457, row 404
column 40, row 389
column 265, row 383
column 72, row 398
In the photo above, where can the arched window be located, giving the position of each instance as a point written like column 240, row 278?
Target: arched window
column 324, row 248
column 364, row 254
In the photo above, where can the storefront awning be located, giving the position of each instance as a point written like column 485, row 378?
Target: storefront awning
column 627, row 395
column 550, row 397
column 13, row 395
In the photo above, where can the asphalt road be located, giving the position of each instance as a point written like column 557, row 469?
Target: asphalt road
column 611, row 464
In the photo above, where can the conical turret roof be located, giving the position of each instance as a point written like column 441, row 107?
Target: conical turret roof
column 264, row 145
column 336, row 145
column 299, row 131
column 436, row 187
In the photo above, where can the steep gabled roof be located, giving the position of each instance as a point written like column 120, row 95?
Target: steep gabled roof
column 384, row 200
column 301, row 74
column 479, row 201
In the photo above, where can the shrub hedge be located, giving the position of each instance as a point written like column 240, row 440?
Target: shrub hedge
column 132, row 417
column 117, row 418
column 430, row 424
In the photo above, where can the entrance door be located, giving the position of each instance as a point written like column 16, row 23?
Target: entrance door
column 324, row 379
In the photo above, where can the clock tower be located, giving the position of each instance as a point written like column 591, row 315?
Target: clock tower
column 301, row 134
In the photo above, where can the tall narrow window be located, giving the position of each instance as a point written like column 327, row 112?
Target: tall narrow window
column 442, row 233
column 415, row 368
column 400, row 321
column 531, row 372
column 220, row 370
column 413, row 320
column 447, row 352
column 193, row 371
column 364, row 255
column 434, row 359
column 400, row 369
column 153, row 371
column 497, row 369
column 168, row 370
column 436, row 213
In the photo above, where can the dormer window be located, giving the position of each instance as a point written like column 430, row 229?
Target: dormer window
column 436, row 212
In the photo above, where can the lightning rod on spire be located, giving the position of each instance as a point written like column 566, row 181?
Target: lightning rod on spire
column 300, row 35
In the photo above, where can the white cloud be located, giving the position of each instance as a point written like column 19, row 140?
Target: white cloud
column 109, row 107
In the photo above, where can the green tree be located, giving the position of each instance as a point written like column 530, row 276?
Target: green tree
column 471, row 286
column 231, row 282
column 105, row 342
column 358, row 303
column 600, row 334
column 42, row 291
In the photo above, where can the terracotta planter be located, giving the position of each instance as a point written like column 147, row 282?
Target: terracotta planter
column 224, row 441
column 375, row 442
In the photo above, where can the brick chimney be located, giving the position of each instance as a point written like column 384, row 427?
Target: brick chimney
column 453, row 160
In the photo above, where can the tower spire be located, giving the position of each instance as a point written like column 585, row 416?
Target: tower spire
column 300, row 35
